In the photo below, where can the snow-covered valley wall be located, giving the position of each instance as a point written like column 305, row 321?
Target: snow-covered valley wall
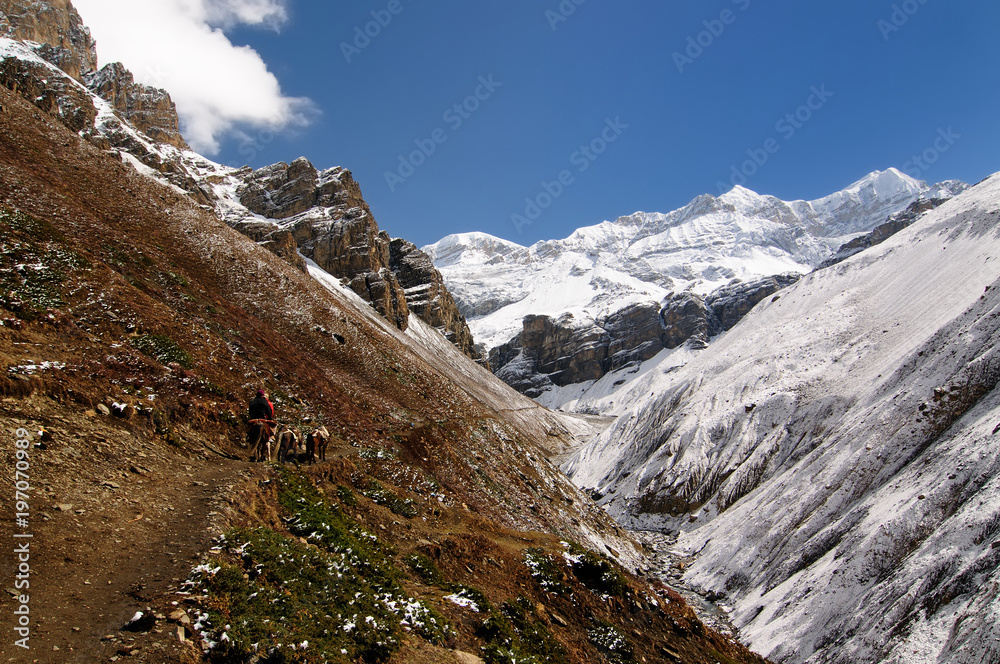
column 832, row 459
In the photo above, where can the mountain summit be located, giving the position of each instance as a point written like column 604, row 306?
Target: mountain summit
column 598, row 286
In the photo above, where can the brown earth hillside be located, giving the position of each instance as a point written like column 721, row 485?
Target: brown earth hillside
column 119, row 296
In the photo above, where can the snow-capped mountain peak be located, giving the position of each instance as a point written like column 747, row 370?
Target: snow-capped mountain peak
column 646, row 256
column 471, row 248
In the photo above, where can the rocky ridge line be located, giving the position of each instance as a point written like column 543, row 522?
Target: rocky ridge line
column 323, row 215
column 54, row 30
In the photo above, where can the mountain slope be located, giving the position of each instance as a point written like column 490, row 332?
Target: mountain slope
column 582, row 283
column 134, row 325
column 287, row 207
column 117, row 289
column 831, row 458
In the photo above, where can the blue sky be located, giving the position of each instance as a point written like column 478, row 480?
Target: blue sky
column 872, row 84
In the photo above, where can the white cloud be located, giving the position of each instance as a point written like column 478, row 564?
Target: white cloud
column 271, row 13
column 180, row 46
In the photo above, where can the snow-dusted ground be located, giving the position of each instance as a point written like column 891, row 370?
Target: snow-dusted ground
column 837, row 450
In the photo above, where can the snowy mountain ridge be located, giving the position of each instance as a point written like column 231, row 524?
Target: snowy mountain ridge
column 641, row 259
column 646, row 256
column 831, row 459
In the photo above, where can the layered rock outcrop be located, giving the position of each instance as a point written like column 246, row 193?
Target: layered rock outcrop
column 428, row 297
column 565, row 350
column 551, row 351
column 54, row 32
column 281, row 190
column 684, row 317
column 729, row 304
column 57, row 31
column 330, row 223
column 149, row 109
column 61, row 98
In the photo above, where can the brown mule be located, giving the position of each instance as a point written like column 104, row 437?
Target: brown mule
column 316, row 443
column 259, row 439
column 288, row 444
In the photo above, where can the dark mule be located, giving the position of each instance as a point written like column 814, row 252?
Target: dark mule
column 259, row 439
column 316, row 443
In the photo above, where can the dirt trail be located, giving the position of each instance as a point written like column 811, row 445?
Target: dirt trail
column 118, row 522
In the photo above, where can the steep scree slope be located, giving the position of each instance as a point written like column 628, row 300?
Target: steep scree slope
column 832, row 458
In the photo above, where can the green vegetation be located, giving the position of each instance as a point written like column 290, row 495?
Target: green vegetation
column 514, row 636
column 335, row 599
column 346, row 496
column 382, row 496
column 425, row 569
column 596, row 572
column 173, row 279
column 163, row 349
column 471, row 594
column 209, row 387
column 34, row 263
column 163, row 428
column 611, row 642
column 546, row 571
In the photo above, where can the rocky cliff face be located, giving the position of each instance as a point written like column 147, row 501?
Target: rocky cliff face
column 685, row 317
column 282, row 191
column 56, row 28
column 883, row 232
column 61, row 98
column 53, row 31
column 427, row 296
column 150, row 109
column 729, row 304
column 689, row 317
column 568, row 350
column 330, row 223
